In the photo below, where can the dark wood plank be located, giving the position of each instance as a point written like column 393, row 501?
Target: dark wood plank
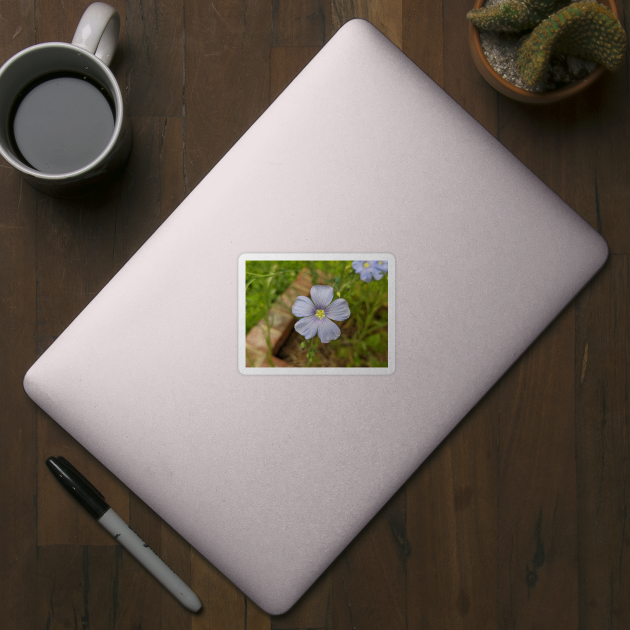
column 18, row 415
column 537, row 537
column 608, row 127
column 422, row 36
column 154, row 57
column 285, row 64
column 386, row 15
column 369, row 577
column 152, row 185
column 18, row 423
column 603, row 443
column 461, row 78
column 76, row 587
column 301, row 23
column 313, row 609
column 17, row 28
column 226, row 78
column 452, row 527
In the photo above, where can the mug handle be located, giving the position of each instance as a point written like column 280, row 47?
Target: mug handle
column 98, row 30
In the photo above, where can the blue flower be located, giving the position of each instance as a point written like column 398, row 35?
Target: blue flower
column 382, row 265
column 368, row 269
column 317, row 314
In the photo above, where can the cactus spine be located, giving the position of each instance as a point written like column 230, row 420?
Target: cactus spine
column 583, row 29
column 513, row 16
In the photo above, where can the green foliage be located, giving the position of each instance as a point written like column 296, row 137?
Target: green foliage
column 584, row 29
column 364, row 337
column 513, row 16
column 265, row 281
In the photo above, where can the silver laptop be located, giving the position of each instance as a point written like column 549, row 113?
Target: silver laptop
column 270, row 474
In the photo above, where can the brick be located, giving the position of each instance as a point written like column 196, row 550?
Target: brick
column 256, row 336
column 280, row 318
column 253, row 356
column 288, row 297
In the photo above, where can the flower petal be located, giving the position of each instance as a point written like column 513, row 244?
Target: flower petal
column 382, row 265
column 376, row 272
column 322, row 295
column 303, row 307
column 328, row 330
column 307, row 326
column 357, row 265
column 338, row 310
column 365, row 275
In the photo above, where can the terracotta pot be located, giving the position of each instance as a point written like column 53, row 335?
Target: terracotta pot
column 518, row 94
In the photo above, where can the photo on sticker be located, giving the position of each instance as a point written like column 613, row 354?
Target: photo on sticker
column 316, row 313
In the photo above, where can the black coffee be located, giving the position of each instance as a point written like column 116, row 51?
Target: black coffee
column 61, row 123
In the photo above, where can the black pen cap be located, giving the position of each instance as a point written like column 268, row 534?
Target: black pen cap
column 78, row 486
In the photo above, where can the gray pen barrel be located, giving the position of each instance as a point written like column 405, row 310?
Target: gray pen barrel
column 149, row 559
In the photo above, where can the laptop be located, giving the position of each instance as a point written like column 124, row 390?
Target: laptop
column 271, row 473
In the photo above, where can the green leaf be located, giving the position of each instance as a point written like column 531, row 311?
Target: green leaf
column 373, row 340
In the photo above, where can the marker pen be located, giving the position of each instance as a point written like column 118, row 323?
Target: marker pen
column 94, row 502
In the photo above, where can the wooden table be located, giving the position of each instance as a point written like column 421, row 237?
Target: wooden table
column 518, row 520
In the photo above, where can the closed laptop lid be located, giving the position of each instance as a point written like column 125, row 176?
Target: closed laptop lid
column 270, row 475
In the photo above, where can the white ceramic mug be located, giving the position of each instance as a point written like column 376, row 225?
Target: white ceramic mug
column 87, row 57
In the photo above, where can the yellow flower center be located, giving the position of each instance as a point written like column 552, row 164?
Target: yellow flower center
column 366, row 264
column 380, row 262
column 320, row 314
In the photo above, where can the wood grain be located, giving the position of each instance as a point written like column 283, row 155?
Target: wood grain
column 537, row 510
column 76, row 587
column 386, row 15
column 226, row 78
column 302, row 23
column 18, row 416
column 452, row 515
column 422, row 36
column 154, row 57
column 285, row 64
column 461, row 79
column 369, row 577
column 602, row 380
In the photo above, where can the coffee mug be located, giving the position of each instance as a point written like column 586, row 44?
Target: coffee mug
column 62, row 114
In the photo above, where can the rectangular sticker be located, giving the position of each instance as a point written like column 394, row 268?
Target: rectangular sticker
column 316, row 314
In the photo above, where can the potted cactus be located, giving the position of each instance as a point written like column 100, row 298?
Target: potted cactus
column 557, row 49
